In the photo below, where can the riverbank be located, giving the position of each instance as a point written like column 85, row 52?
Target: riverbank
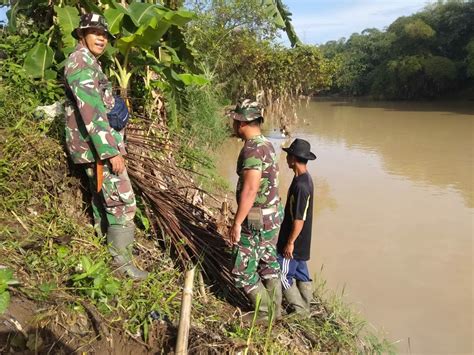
column 67, row 298
column 466, row 94
column 384, row 174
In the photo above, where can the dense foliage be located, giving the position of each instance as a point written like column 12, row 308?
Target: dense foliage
column 426, row 54
column 235, row 42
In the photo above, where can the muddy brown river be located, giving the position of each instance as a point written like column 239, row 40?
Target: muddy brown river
column 393, row 218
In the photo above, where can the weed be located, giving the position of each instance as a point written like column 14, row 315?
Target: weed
column 6, row 280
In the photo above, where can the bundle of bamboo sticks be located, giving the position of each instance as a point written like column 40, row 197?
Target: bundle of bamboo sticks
column 182, row 224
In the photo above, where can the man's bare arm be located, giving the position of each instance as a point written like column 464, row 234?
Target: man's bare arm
column 296, row 229
column 251, row 184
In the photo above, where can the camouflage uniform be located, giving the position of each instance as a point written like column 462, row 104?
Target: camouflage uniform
column 89, row 136
column 255, row 254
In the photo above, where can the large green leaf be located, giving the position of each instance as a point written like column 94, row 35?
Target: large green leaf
column 193, row 79
column 142, row 13
column 145, row 25
column 276, row 10
column 114, row 19
column 38, row 60
column 178, row 18
column 4, row 301
column 146, row 36
column 271, row 10
column 6, row 275
column 68, row 19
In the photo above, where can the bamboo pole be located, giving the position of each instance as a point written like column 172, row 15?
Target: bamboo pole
column 185, row 314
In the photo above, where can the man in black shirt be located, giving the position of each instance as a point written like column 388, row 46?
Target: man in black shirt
column 294, row 241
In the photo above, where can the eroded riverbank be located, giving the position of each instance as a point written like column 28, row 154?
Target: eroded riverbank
column 393, row 217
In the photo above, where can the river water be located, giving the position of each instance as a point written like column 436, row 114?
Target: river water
column 393, row 216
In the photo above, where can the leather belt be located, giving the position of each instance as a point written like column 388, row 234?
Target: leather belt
column 269, row 210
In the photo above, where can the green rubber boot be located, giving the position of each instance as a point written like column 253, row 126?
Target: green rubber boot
column 120, row 239
column 306, row 291
column 259, row 291
column 295, row 300
column 273, row 287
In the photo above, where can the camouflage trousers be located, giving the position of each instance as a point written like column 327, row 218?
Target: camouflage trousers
column 115, row 203
column 255, row 257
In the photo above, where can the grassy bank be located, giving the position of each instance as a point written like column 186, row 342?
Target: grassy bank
column 64, row 296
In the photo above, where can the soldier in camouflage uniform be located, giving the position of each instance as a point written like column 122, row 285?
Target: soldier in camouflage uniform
column 92, row 143
column 259, row 214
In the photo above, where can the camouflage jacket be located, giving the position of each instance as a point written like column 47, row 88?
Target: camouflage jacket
column 258, row 153
column 88, row 133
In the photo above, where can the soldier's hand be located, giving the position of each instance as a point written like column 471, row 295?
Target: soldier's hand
column 118, row 164
column 288, row 251
column 234, row 234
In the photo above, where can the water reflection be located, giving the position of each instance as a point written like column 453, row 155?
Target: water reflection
column 427, row 146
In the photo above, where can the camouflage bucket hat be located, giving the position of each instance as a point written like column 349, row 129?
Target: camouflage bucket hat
column 92, row 21
column 246, row 111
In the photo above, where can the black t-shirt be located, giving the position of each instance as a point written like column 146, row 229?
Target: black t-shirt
column 299, row 205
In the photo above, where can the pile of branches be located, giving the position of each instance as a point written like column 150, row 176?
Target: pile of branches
column 174, row 205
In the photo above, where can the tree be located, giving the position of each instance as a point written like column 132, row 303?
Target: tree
column 470, row 59
column 422, row 55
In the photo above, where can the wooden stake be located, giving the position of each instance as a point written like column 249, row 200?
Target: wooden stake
column 185, row 315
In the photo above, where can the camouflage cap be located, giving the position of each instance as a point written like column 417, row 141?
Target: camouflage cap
column 246, row 111
column 92, row 21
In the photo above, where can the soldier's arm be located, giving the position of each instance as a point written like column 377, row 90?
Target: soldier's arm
column 85, row 88
column 251, row 184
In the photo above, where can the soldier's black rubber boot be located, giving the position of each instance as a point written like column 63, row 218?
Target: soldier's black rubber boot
column 259, row 292
column 120, row 239
column 273, row 287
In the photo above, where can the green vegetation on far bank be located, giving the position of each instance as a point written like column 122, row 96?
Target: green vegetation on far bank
column 429, row 54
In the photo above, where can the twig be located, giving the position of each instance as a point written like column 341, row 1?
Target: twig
column 21, row 222
column 202, row 290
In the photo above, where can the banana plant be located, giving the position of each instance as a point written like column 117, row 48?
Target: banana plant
column 142, row 29
column 278, row 12
column 142, row 26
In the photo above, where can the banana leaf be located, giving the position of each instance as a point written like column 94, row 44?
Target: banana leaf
column 38, row 60
column 193, row 79
column 271, row 10
column 68, row 19
column 290, row 31
column 276, row 10
column 141, row 13
column 114, row 19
